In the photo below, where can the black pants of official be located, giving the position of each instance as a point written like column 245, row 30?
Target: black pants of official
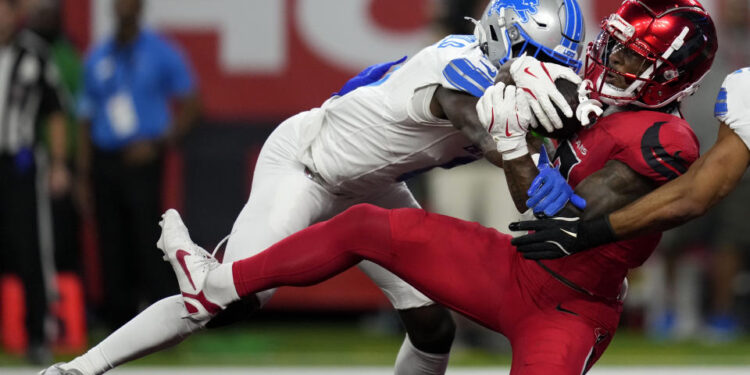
column 128, row 210
column 20, row 242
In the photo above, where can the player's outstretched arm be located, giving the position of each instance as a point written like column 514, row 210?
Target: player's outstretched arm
column 498, row 122
column 460, row 108
column 708, row 181
column 606, row 190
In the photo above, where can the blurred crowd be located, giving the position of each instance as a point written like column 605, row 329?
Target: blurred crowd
column 104, row 125
column 94, row 155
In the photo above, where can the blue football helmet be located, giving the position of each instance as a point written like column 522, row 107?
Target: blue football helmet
column 549, row 30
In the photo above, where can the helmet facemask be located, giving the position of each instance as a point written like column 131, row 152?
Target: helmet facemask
column 617, row 57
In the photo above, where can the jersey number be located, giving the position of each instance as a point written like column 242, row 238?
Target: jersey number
column 566, row 158
column 456, row 41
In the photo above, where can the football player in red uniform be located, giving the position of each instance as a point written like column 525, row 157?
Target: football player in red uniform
column 559, row 315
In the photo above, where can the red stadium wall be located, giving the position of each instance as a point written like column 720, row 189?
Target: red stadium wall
column 305, row 75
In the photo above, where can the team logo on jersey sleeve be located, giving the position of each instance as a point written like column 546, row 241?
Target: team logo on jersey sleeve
column 669, row 166
column 522, row 7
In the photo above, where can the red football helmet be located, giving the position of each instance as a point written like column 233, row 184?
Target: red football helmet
column 674, row 40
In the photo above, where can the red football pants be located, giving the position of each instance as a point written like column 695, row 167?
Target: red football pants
column 466, row 267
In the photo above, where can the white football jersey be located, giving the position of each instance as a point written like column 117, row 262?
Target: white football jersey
column 384, row 132
column 733, row 104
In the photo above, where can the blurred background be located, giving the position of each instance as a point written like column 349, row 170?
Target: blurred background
column 236, row 69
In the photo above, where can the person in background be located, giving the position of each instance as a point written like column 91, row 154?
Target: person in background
column 731, row 242
column 45, row 21
column 130, row 81
column 29, row 172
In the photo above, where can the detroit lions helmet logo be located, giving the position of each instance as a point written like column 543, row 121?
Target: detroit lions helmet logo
column 522, row 7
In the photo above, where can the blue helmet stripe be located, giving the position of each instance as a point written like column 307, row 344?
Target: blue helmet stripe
column 579, row 21
column 463, row 76
column 574, row 25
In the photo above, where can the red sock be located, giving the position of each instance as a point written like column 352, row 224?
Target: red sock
column 317, row 253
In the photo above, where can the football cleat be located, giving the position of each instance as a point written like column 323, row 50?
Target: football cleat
column 56, row 369
column 191, row 265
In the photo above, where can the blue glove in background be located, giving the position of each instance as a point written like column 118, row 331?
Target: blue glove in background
column 549, row 192
column 370, row 75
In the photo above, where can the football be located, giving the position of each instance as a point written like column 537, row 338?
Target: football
column 571, row 125
column 569, row 90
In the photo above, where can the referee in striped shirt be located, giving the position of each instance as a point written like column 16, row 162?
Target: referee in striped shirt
column 29, row 97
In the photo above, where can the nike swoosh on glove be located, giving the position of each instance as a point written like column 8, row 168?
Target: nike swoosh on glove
column 560, row 236
column 507, row 116
column 549, row 192
column 537, row 80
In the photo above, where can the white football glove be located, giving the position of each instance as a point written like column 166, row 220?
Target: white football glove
column 733, row 103
column 507, row 116
column 537, row 80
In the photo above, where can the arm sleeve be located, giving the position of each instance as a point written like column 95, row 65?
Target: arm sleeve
column 733, row 103
column 178, row 78
column 664, row 152
column 463, row 65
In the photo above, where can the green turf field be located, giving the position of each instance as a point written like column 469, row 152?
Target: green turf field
column 315, row 343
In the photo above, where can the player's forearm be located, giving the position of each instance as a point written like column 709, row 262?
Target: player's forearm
column 460, row 109
column 519, row 173
column 672, row 205
column 710, row 179
column 662, row 210
column 479, row 136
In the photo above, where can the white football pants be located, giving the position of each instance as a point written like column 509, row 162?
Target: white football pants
column 284, row 200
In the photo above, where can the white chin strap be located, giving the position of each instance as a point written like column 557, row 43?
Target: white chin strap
column 612, row 95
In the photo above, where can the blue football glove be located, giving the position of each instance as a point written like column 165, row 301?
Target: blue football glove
column 370, row 75
column 549, row 192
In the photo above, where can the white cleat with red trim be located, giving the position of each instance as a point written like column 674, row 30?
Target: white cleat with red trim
column 191, row 264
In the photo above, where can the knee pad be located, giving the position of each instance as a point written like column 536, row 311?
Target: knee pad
column 431, row 328
column 237, row 311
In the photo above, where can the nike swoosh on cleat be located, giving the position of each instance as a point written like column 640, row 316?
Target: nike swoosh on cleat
column 181, row 254
column 211, row 307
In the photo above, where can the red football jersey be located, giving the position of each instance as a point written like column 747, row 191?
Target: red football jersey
column 656, row 145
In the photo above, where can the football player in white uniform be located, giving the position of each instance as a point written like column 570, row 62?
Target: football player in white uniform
column 391, row 122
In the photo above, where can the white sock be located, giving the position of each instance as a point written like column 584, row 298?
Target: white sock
column 219, row 287
column 412, row 361
column 158, row 327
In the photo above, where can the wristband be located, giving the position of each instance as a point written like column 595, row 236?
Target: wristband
column 596, row 232
column 515, row 153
